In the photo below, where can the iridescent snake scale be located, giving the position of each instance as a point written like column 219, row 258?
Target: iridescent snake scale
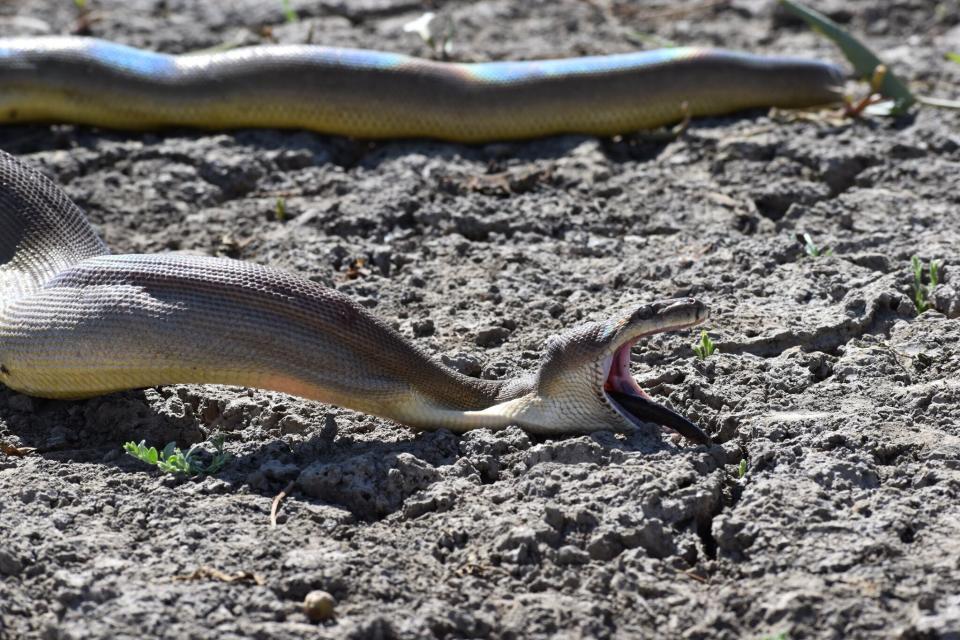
column 373, row 94
column 76, row 321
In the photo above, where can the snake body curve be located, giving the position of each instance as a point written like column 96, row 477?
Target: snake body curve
column 372, row 94
column 76, row 321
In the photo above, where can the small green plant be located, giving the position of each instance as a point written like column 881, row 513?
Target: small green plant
column 742, row 468
column 80, row 4
column 952, row 55
column 921, row 291
column 705, row 347
column 863, row 60
column 171, row 459
column 281, row 209
column 865, row 64
column 288, row 12
column 811, row 248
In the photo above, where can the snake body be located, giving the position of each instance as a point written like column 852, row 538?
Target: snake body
column 372, row 94
column 76, row 321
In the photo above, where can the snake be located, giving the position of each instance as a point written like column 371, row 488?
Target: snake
column 376, row 94
column 77, row 321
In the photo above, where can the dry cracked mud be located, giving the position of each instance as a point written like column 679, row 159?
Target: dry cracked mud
column 841, row 399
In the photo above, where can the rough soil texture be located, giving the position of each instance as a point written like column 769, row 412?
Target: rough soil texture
column 842, row 400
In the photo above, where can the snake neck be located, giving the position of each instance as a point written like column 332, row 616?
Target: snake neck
column 438, row 397
column 460, row 403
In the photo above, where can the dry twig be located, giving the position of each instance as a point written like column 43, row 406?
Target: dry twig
column 276, row 503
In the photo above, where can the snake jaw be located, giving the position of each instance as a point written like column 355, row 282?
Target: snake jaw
column 617, row 376
column 631, row 402
column 584, row 382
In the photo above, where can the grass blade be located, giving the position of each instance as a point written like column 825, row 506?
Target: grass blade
column 941, row 103
column 864, row 60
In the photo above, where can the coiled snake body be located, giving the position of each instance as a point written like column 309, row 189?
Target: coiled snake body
column 76, row 321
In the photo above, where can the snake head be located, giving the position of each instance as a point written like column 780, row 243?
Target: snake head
column 584, row 382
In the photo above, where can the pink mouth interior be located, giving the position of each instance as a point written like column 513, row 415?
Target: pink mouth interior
column 619, row 377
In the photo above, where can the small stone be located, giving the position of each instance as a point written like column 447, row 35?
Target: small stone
column 278, row 471
column 572, row 555
column 409, row 297
column 464, row 363
column 650, row 535
column 606, row 545
column 875, row 261
column 515, row 537
column 10, row 565
column 293, row 424
column 329, row 429
column 553, row 516
column 945, row 299
column 423, row 328
column 381, row 259
column 495, row 371
column 492, row 336
column 732, row 534
column 319, row 605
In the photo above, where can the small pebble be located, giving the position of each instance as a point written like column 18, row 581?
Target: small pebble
column 423, row 328
column 318, row 605
column 492, row 336
column 465, row 363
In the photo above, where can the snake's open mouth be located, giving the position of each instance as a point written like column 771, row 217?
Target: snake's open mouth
column 630, row 401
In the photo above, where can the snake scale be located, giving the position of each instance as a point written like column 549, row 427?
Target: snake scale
column 76, row 321
column 373, row 94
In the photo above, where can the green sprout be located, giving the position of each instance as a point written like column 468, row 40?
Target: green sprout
column 705, row 348
column 281, row 209
column 649, row 40
column 811, row 248
column 742, row 468
column 921, row 291
column 953, row 55
column 173, row 460
column 80, row 4
column 288, row 12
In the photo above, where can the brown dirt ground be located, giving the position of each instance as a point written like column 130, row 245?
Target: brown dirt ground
column 842, row 400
